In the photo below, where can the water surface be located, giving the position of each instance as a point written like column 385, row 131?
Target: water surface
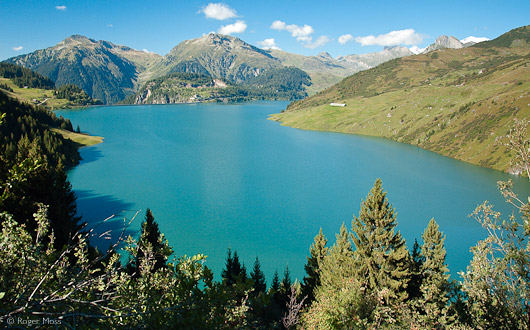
column 218, row 176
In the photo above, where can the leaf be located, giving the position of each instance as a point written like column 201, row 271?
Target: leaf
column 2, row 294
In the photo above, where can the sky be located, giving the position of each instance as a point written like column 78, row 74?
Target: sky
column 301, row 27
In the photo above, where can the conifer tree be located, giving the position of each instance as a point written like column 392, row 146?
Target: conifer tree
column 317, row 251
column 435, row 274
column 233, row 270
column 152, row 245
column 416, row 264
column 285, row 285
column 275, row 284
column 338, row 264
column 381, row 256
column 257, row 276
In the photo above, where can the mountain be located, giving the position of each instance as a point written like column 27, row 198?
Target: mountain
column 105, row 71
column 443, row 42
column 112, row 72
column 326, row 71
column 374, row 59
column 216, row 55
column 32, row 88
column 456, row 102
column 286, row 83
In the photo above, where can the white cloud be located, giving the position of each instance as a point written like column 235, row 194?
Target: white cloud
column 345, row 38
column 237, row 27
column 147, row 51
column 393, row 38
column 268, row 44
column 18, row 48
column 110, row 25
column 321, row 41
column 301, row 33
column 218, row 11
column 474, row 39
column 60, row 8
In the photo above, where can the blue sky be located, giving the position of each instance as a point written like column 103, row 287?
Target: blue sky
column 302, row 27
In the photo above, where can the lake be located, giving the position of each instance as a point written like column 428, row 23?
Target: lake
column 222, row 175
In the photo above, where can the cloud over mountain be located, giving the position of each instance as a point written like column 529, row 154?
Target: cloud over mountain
column 18, row 48
column 269, row 44
column 219, row 11
column 321, row 41
column 343, row 39
column 393, row 38
column 301, row 33
column 237, row 27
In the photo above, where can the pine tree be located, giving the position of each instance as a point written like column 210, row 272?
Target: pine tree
column 381, row 255
column 435, row 274
column 275, row 284
column 257, row 276
column 317, row 251
column 338, row 264
column 233, row 271
column 416, row 263
column 152, row 245
column 285, row 285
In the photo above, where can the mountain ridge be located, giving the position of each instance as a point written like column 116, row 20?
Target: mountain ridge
column 456, row 102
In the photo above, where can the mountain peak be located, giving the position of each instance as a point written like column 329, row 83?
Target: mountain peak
column 325, row 55
column 443, row 42
column 448, row 42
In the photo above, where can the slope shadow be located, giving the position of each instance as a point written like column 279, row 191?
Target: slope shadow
column 89, row 154
column 108, row 216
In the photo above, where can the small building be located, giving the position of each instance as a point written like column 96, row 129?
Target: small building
column 337, row 104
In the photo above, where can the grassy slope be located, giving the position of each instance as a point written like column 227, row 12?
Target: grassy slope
column 27, row 95
column 457, row 103
column 82, row 139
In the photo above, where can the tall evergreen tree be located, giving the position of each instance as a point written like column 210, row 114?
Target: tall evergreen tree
column 317, row 251
column 381, row 255
column 416, row 263
column 152, row 245
column 233, row 271
column 285, row 285
column 275, row 284
column 435, row 274
column 258, row 278
column 338, row 264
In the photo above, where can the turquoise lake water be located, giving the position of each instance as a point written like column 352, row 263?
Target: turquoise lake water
column 222, row 175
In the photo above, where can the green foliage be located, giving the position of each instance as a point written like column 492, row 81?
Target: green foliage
column 435, row 277
column 33, row 124
column 233, row 272
column 23, row 77
column 75, row 95
column 497, row 281
column 152, row 245
column 318, row 251
column 381, row 256
column 258, row 278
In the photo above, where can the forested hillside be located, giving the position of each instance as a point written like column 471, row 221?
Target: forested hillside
column 33, row 88
column 273, row 84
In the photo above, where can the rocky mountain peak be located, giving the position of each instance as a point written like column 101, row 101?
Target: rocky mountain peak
column 325, row 55
column 448, row 42
column 443, row 42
